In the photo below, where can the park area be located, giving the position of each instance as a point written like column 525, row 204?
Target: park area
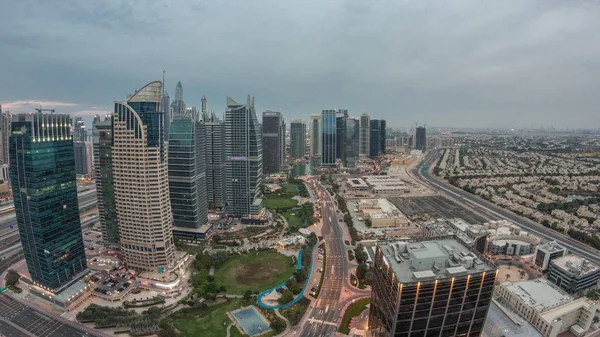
column 281, row 201
column 212, row 321
column 256, row 271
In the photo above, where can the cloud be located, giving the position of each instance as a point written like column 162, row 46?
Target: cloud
column 28, row 105
column 454, row 63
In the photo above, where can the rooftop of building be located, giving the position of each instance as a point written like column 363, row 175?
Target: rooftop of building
column 428, row 259
column 551, row 247
column 379, row 208
column 357, row 182
column 562, row 310
column 502, row 242
column 575, row 265
column 540, row 294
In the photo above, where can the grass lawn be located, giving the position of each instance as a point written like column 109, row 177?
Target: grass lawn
column 353, row 310
column 290, row 189
column 293, row 219
column 277, row 203
column 211, row 323
column 254, row 272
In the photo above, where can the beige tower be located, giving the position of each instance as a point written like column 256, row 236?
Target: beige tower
column 141, row 186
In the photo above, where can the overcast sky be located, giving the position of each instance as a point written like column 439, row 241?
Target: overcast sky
column 508, row 63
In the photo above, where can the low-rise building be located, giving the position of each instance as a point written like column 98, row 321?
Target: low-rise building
column 509, row 247
column 547, row 252
column 386, row 185
column 550, row 309
column 381, row 213
column 573, row 273
column 356, row 184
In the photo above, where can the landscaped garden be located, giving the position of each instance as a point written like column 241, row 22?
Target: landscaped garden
column 255, row 271
column 281, row 201
column 352, row 311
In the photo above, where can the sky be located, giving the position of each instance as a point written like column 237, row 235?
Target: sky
column 510, row 63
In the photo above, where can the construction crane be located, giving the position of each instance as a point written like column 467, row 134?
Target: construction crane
column 40, row 110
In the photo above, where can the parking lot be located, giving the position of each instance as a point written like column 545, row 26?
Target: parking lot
column 434, row 207
column 111, row 284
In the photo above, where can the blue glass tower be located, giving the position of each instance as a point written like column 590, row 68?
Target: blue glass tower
column 328, row 154
column 42, row 173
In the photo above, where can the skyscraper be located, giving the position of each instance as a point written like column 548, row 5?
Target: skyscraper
column 316, row 135
column 42, row 173
column 187, row 173
column 298, row 139
column 421, row 139
column 365, row 134
column 166, row 109
column 328, row 123
column 216, row 187
column 441, row 287
column 141, row 184
column 243, row 150
column 102, row 136
column 375, row 138
column 340, row 135
column 383, row 135
column 82, row 160
column 352, row 142
column 4, row 135
column 177, row 108
column 273, row 139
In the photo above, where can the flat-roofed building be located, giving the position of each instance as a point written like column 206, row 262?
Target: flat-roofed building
column 436, row 287
column 381, row 213
column 573, row 273
column 550, row 309
column 357, row 184
column 546, row 252
column 386, row 185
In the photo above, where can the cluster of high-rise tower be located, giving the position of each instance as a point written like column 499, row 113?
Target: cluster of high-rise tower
column 159, row 167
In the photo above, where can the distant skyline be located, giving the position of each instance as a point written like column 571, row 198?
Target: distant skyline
column 501, row 64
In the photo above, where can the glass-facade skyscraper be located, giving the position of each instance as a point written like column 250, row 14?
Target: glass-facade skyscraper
column 365, row 134
column 435, row 287
column 187, row 173
column 328, row 125
column 141, row 183
column 421, row 139
column 298, row 139
column 243, row 150
column 351, row 142
column 102, row 136
column 375, row 138
column 42, row 174
column 216, row 188
column 273, row 140
column 316, row 135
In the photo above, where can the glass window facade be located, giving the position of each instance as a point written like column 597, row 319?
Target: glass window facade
column 102, row 139
column 450, row 306
column 42, row 174
column 243, row 148
column 329, row 126
column 215, row 162
column 298, row 139
column 273, row 139
column 187, row 173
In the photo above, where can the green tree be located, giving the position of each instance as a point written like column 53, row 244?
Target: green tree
column 248, row 295
column 286, row 297
column 12, row 277
column 277, row 325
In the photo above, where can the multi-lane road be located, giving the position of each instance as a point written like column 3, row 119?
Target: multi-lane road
column 18, row 319
column 323, row 316
column 495, row 212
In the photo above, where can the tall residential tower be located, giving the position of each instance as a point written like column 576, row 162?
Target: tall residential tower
column 216, row 187
column 365, row 134
column 141, row 182
column 103, row 173
column 316, row 135
column 298, row 139
column 243, row 150
column 273, row 139
column 187, row 174
column 328, row 122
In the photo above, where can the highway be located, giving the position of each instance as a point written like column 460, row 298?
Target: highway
column 324, row 316
column 18, row 319
column 86, row 198
column 495, row 212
